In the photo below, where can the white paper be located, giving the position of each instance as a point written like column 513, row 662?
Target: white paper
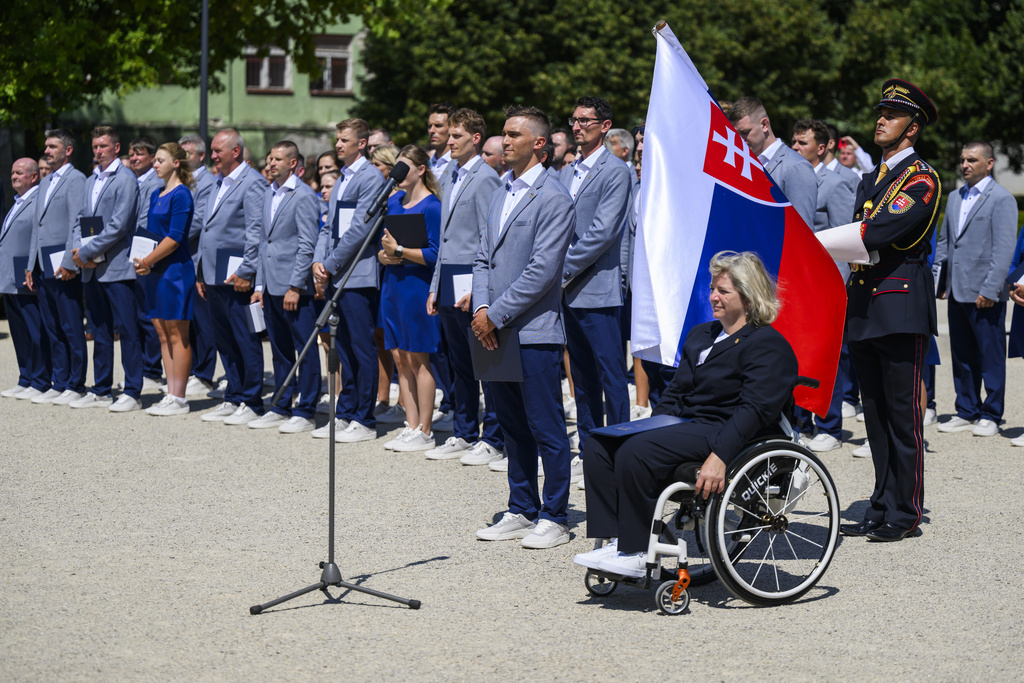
column 234, row 263
column 56, row 258
column 344, row 220
column 844, row 243
column 99, row 258
column 1021, row 280
column 462, row 285
column 141, row 247
column 259, row 324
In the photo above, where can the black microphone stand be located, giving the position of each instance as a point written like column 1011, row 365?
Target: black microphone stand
column 331, row 575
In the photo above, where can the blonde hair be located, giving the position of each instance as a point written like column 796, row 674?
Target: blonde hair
column 184, row 170
column 418, row 156
column 755, row 286
column 385, row 154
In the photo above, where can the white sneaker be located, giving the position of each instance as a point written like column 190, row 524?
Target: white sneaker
column 28, row 393
column 169, row 406
column 569, row 407
column 393, row 393
column 402, row 436
column 220, row 412
column 218, row 392
column 640, row 412
column 47, row 396
column 956, row 424
column 355, row 432
column 392, row 416
column 574, row 441
column 930, row 417
column 986, row 428
column 67, row 397
column 296, row 425
column 124, row 404
column 243, row 415
column 621, row 564
column 1019, row 441
column 91, row 400
column 453, row 447
column 197, row 387
column 849, row 410
column 268, row 420
column 417, row 441
column 498, row 465
column 632, row 392
column 860, row 416
column 325, row 431
column 438, row 397
column 576, row 471
column 590, row 560
column 508, row 528
column 13, row 391
column 547, row 534
column 443, row 422
column 323, row 406
column 481, row 453
column 863, row 451
column 824, row 443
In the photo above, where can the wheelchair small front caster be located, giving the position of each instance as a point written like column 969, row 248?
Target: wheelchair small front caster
column 598, row 585
column 671, row 601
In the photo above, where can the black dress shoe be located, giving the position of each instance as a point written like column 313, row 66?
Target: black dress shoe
column 890, row 532
column 859, row 529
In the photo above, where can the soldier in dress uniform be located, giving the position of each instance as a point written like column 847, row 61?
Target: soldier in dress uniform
column 891, row 310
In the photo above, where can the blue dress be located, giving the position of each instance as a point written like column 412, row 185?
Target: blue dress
column 169, row 286
column 403, row 295
column 1015, row 345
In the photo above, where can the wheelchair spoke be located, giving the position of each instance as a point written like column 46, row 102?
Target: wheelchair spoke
column 752, row 528
column 802, row 494
column 804, row 538
column 750, row 543
column 816, row 514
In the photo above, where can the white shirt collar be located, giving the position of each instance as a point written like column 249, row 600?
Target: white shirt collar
column 197, row 174
column 527, row 179
column 893, row 161
column 111, row 170
column 771, row 150
column 585, row 164
column 18, row 199
column 146, row 176
column 832, row 164
column 61, row 171
column 352, row 169
column 467, row 167
column 817, row 169
column 441, row 160
column 236, row 174
column 290, row 184
column 978, row 188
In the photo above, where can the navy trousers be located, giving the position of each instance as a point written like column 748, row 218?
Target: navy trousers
column 598, row 364
column 441, row 369
column 240, row 348
column 455, row 324
column 977, row 344
column 31, row 347
column 152, row 361
column 832, row 423
column 530, row 416
column 357, row 309
column 288, row 332
column 204, row 342
column 113, row 304
column 60, row 304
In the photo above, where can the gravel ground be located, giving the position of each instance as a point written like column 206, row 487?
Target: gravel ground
column 133, row 546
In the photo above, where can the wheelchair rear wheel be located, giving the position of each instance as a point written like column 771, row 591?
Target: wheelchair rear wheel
column 775, row 527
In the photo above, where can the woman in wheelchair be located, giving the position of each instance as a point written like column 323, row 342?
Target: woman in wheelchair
column 735, row 376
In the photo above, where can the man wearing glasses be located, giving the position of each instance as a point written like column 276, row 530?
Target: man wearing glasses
column 600, row 187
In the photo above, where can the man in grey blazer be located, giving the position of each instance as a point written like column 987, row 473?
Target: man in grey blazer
column 200, row 332
column 339, row 246
column 516, row 278
column 60, row 288
column 26, row 326
column 466, row 196
column 601, row 187
column 790, row 171
column 284, row 285
column 141, row 152
column 111, row 198
column 831, row 161
column 228, row 258
column 975, row 249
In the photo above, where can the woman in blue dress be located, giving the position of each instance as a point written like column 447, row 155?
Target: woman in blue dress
column 403, row 300
column 167, row 274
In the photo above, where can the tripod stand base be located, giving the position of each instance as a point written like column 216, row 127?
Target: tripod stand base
column 331, row 576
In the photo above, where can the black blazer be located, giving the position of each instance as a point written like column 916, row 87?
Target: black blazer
column 743, row 385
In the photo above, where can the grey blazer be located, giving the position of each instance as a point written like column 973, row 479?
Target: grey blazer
column 336, row 255
column 593, row 262
column 517, row 272
column 146, row 190
column 287, row 242
column 629, row 240
column 835, row 206
column 463, row 223
column 847, row 174
column 204, row 183
column 54, row 219
column 118, row 205
column 15, row 243
column 978, row 261
column 232, row 224
column 795, row 177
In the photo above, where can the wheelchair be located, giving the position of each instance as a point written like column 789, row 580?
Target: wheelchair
column 768, row 537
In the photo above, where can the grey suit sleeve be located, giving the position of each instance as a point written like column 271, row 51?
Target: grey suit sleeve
column 122, row 220
column 75, row 203
column 253, row 209
column 198, row 215
column 558, row 220
column 351, row 242
column 840, row 204
column 609, row 218
column 801, row 188
column 942, row 243
column 307, row 210
column 1004, row 239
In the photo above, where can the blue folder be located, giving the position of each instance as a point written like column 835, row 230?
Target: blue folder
column 445, row 289
column 20, row 266
column 336, row 219
column 626, row 429
column 222, row 263
column 45, row 262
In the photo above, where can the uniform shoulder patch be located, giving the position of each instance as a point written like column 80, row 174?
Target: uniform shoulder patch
column 923, row 179
column 901, row 203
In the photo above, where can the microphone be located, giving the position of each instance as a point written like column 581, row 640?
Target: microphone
column 397, row 175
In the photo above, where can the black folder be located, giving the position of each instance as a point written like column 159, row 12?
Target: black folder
column 222, row 263
column 445, row 288
column 20, row 266
column 625, row 429
column 408, row 229
column 503, row 364
column 940, row 282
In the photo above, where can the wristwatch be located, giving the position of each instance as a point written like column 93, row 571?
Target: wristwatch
column 398, row 251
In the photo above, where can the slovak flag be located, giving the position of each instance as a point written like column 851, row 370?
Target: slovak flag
column 703, row 191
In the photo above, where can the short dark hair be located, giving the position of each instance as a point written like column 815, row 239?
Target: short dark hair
column 357, row 126
column 547, row 154
column 382, row 131
column 144, row 143
column 290, row 148
column 818, row 128
column 470, row 121
column 533, row 114
column 598, row 104
column 62, row 134
column 984, row 145
column 744, row 107
column 833, row 132
column 108, row 131
column 441, row 108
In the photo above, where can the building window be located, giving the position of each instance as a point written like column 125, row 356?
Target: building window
column 334, row 61
column 270, row 74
